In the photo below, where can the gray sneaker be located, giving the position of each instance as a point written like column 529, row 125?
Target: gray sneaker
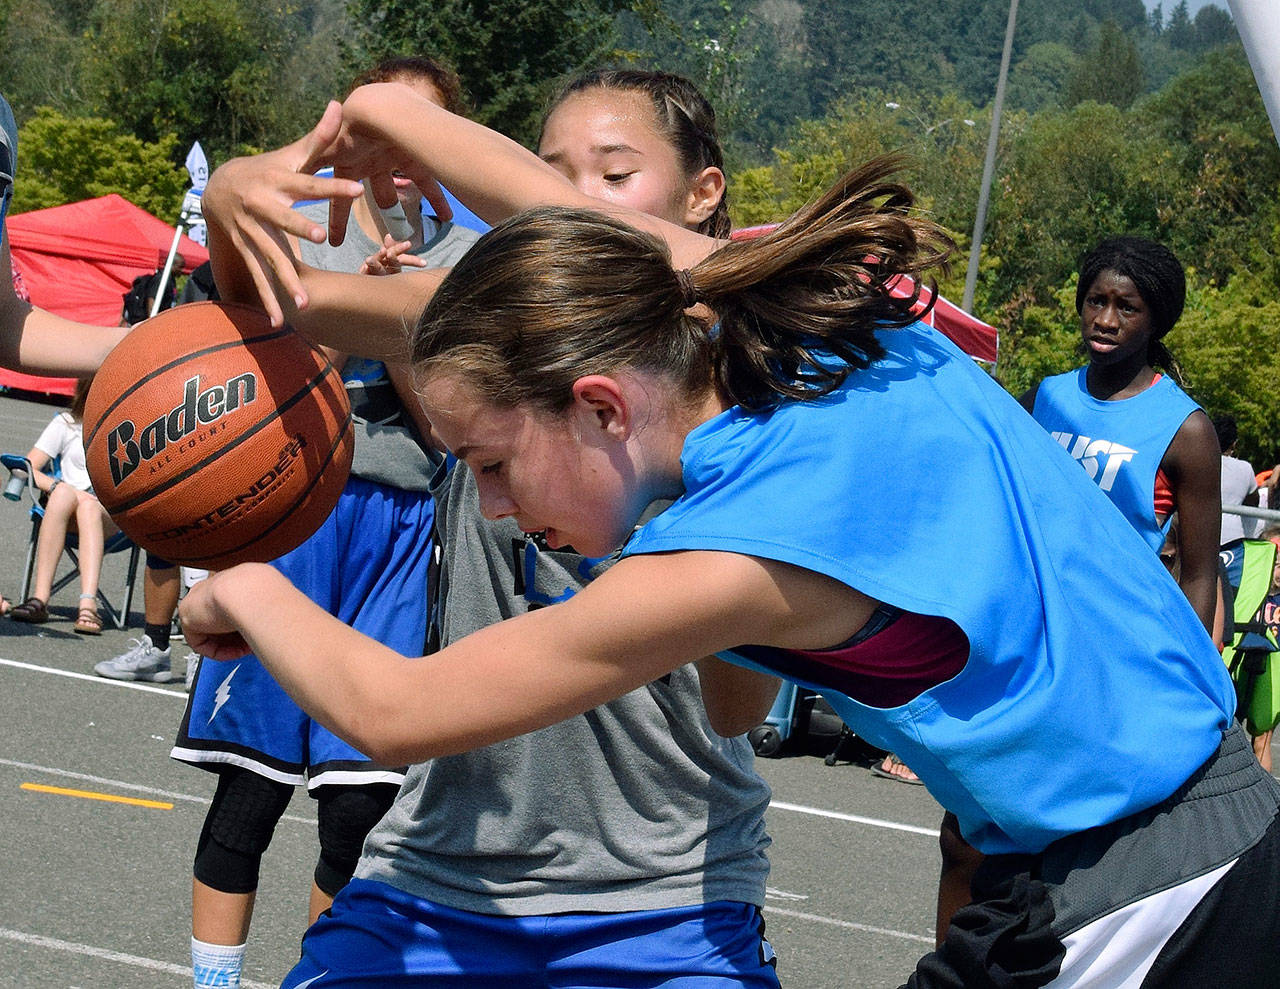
column 193, row 664
column 143, row 661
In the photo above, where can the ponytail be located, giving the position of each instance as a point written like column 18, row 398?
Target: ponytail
column 553, row 295
column 800, row 307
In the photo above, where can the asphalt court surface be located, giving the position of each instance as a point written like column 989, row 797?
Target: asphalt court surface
column 100, row 825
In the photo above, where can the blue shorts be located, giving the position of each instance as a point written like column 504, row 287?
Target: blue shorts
column 367, row 565
column 376, row 935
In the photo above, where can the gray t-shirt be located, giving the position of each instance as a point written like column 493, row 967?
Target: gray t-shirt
column 387, row 449
column 636, row 805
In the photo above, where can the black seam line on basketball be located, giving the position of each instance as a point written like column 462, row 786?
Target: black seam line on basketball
column 264, row 338
column 316, row 478
column 297, row 397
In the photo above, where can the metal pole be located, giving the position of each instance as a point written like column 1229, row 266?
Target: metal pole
column 989, row 167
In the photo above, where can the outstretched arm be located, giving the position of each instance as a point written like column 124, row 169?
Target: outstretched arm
column 631, row 625
column 38, row 342
column 381, row 128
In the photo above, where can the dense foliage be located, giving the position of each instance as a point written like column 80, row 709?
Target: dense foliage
column 1116, row 120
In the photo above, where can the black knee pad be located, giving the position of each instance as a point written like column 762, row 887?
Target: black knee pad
column 243, row 816
column 346, row 815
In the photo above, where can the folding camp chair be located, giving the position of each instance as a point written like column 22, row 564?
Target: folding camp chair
column 21, row 485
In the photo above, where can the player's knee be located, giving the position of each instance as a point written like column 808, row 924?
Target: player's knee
column 346, row 816
column 237, row 830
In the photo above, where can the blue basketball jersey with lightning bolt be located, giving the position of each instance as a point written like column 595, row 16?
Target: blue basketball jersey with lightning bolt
column 1118, row 443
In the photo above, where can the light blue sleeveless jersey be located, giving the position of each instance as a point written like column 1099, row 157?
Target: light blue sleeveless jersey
column 1119, row 444
column 1091, row 690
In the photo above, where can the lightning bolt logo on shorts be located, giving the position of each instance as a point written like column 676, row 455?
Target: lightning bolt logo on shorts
column 222, row 694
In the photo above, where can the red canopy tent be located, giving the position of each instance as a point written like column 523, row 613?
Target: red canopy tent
column 979, row 340
column 78, row 261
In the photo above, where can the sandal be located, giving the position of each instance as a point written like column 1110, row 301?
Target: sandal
column 87, row 621
column 31, row 610
column 884, row 769
column 6, row 606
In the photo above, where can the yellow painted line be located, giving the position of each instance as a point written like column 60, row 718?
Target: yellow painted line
column 91, row 795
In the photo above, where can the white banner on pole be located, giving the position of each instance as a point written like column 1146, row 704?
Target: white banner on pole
column 1258, row 22
column 198, row 169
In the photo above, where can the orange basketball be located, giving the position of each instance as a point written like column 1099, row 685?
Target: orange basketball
column 213, row 438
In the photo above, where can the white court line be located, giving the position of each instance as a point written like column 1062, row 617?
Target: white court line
column 778, row 911
column 106, row 954
column 135, row 787
column 873, row 822
column 835, row 815
column 92, row 678
column 847, row 925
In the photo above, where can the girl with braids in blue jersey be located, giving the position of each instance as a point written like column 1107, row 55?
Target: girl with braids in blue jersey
column 1008, row 634
column 1137, row 434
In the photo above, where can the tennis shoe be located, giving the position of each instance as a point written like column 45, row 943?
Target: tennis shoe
column 142, row 661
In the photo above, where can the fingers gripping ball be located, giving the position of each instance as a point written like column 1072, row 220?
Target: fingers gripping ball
column 213, row 438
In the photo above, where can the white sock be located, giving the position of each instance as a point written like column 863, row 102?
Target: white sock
column 216, row 964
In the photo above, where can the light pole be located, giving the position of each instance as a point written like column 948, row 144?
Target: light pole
column 989, row 166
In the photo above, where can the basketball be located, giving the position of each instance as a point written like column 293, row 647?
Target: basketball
column 213, row 438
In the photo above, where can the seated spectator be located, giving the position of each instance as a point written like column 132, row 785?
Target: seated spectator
column 69, row 503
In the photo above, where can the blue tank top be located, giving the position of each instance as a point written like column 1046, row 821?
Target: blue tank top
column 1118, row 443
column 1082, row 649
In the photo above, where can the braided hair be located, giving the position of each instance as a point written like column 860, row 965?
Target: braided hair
column 1159, row 278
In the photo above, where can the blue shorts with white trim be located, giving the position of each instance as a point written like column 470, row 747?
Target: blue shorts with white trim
column 377, row 935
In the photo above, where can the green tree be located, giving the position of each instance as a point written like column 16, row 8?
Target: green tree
column 207, row 70
column 1040, row 77
column 42, row 54
column 65, row 159
column 1111, row 73
column 1071, row 178
column 509, row 53
column 1214, row 131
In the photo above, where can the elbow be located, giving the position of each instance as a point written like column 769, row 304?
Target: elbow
column 384, row 745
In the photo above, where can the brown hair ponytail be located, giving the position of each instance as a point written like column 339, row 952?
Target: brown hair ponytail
column 555, row 294
column 818, row 288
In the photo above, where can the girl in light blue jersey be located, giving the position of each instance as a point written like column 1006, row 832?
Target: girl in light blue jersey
column 1137, row 434
column 1009, row 635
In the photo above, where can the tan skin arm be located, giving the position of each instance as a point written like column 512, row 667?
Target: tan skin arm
column 630, row 626
column 1193, row 465
column 38, row 342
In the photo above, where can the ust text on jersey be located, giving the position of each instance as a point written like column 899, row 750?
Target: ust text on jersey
column 1101, row 459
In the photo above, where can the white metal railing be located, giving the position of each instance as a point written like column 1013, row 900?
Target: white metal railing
column 1270, row 514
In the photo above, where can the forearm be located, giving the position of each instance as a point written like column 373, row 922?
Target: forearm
column 342, row 678
column 493, row 175
column 1202, row 592
column 498, row 683
column 361, row 314
column 38, row 342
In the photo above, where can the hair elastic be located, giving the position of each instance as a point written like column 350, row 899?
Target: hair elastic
column 688, row 290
